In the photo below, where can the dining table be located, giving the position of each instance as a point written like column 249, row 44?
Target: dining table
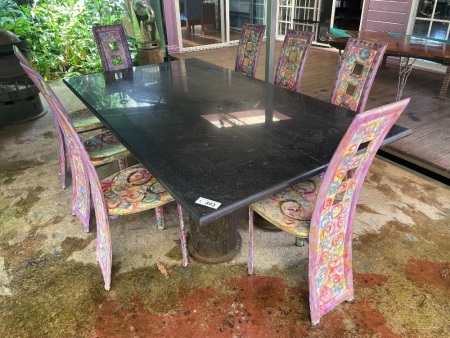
column 216, row 139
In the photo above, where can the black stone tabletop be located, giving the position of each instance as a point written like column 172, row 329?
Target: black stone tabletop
column 209, row 133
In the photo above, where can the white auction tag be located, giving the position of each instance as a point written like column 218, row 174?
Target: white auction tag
column 208, row 203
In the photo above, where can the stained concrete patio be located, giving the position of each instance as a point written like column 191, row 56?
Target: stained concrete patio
column 51, row 285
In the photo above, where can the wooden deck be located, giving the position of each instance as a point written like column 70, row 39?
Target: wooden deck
column 429, row 118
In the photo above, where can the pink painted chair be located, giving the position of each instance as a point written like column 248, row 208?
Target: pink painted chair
column 292, row 59
column 354, row 78
column 322, row 209
column 113, row 47
column 83, row 120
column 103, row 148
column 128, row 191
column 249, row 48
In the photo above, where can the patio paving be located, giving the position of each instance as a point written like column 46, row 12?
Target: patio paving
column 51, row 285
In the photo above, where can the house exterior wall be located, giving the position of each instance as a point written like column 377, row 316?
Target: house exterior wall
column 171, row 20
column 386, row 15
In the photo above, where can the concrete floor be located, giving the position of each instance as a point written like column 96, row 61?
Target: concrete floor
column 51, row 285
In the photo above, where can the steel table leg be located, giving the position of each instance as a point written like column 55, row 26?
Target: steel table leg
column 404, row 71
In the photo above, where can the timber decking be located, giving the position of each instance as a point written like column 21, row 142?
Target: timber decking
column 429, row 118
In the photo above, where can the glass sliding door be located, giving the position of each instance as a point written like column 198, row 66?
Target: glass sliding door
column 432, row 19
column 305, row 15
column 215, row 23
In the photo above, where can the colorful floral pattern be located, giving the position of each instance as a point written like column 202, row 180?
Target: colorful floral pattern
column 104, row 244
column 133, row 190
column 80, row 192
column 248, row 49
column 113, row 47
column 291, row 209
column 84, row 120
column 80, row 186
column 324, row 209
column 105, row 148
column 292, row 59
column 356, row 73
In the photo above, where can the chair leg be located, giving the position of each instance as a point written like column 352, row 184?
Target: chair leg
column 104, row 251
column 62, row 159
column 159, row 218
column 299, row 241
column 182, row 235
column 250, row 241
column 330, row 280
column 122, row 164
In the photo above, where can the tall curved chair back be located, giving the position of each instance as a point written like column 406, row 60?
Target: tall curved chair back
column 80, row 187
column 103, row 147
column 354, row 78
column 292, row 59
column 331, row 228
column 249, row 48
column 83, row 120
column 113, row 47
column 323, row 208
column 39, row 82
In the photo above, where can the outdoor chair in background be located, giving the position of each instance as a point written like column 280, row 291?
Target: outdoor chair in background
column 113, row 47
column 357, row 69
column 126, row 192
column 192, row 13
column 292, row 59
column 103, row 148
column 322, row 209
column 248, row 49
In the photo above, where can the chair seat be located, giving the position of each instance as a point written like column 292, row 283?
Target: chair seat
column 84, row 120
column 133, row 190
column 291, row 209
column 104, row 148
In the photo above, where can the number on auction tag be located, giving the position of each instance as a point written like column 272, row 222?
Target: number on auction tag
column 208, row 203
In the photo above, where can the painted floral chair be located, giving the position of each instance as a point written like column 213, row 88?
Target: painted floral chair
column 292, row 59
column 249, row 48
column 113, row 47
column 129, row 191
column 322, row 209
column 83, row 120
column 103, row 148
column 354, row 78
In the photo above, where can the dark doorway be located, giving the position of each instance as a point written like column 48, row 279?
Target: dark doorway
column 348, row 14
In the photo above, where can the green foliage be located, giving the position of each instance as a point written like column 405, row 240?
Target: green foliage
column 59, row 32
column 12, row 18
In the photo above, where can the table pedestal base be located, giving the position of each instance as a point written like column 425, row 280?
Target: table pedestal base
column 216, row 242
